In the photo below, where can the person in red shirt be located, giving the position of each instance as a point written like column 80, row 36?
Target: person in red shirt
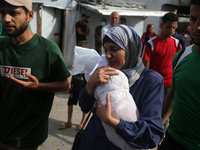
column 160, row 49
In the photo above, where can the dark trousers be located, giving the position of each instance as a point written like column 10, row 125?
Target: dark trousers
column 6, row 147
column 170, row 144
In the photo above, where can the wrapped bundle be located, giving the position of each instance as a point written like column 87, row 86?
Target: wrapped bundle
column 123, row 105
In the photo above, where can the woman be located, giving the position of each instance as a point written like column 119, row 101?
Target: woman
column 122, row 49
column 148, row 34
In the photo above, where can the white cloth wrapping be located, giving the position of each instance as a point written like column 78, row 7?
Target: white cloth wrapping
column 84, row 61
column 123, row 105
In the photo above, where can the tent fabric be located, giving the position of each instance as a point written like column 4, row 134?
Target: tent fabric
column 60, row 4
column 123, row 11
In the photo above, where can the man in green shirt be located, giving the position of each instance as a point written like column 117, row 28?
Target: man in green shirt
column 32, row 68
column 1, row 29
column 183, row 99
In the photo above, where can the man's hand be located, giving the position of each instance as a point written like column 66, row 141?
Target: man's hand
column 32, row 83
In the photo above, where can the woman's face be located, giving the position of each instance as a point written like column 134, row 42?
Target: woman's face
column 115, row 55
column 151, row 28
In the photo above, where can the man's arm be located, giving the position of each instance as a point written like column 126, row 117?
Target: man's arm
column 56, row 86
column 146, row 64
column 96, row 35
column 34, row 84
column 147, row 55
column 167, row 106
column 83, row 33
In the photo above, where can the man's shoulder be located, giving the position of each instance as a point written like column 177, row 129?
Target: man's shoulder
column 177, row 42
column 152, row 41
column 176, row 37
column 2, row 38
column 108, row 26
column 180, row 55
column 99, row 27
column 44, row 42
column 39, row 37
column 78, row 23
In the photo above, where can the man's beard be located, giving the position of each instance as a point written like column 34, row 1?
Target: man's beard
column 197, row 43
column 17, row 31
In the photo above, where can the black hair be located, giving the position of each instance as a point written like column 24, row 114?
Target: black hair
column 103, row 19
column 169, row 17
column 195, row 2
column 123, row 18
column 185, row 27
column 25, row 9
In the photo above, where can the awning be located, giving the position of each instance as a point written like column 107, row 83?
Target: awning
column 60, row 4
column 123, row 11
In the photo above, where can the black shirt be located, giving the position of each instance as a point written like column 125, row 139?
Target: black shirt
column 83, row 27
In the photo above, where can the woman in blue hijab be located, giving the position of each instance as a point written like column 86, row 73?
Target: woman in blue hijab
column 122, row 47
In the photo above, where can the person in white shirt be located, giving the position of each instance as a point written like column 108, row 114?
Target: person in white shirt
column 114, row 20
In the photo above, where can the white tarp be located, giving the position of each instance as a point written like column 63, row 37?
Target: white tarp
column 60, row 4
column 124, row 11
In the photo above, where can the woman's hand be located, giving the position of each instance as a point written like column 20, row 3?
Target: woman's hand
column 101, row 75
column 104, row 113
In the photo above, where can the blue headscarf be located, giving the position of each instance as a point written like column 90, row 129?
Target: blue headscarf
column 126, row 38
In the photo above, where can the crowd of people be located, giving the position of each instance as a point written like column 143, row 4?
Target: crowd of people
column 162, row 73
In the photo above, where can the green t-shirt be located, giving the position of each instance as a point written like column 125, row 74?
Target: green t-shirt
column 2, row 33
column 24, row 113
column 185, row 117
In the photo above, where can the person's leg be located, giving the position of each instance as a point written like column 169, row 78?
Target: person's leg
column 70, row 111
column 69, row 120
column 82, row 122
